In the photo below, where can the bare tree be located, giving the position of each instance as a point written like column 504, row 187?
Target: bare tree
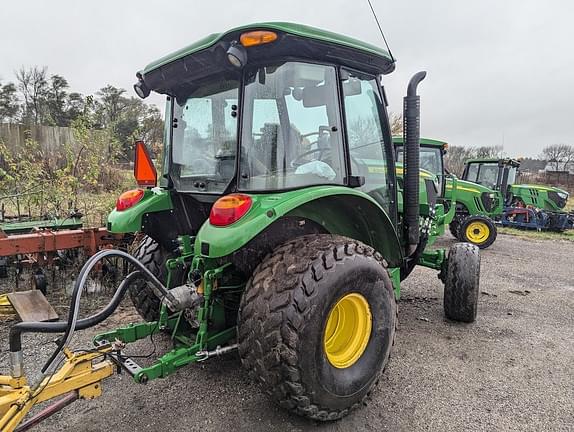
column 456, row 156
column 33, row 86
column 396, row 121
column 559, row 156
column 488, row 152
column 363, row 130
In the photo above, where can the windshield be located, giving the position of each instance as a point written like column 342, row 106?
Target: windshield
column 291, row 128
column 512, row 171
column 205, row 137
column 430, row 159
column 485, row 174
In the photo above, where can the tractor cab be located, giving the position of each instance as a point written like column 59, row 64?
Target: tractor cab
column 495, row 174
column 267, row 109
column 431, row 158
column 287, row 132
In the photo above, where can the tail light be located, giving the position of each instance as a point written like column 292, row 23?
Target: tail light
column 229, row 209
column 129, row 199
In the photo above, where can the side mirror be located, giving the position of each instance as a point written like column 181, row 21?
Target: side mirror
column 144, row 169
column 352, row 87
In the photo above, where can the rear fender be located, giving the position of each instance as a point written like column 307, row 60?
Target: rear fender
column 336, row 209
column 131, row 220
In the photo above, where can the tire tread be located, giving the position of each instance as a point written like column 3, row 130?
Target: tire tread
column 272, row 316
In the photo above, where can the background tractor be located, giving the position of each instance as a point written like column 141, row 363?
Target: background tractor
column 475, row 205
column 524, row 205
column 278, row 229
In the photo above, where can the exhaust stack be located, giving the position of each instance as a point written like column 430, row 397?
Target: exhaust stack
column 411, row 136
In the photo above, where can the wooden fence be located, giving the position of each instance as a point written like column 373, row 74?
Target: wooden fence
column 53, row 139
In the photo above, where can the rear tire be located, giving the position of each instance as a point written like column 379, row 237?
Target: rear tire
column 462, row 283
column 153, row 257
column 478, row 230
column 289, row 326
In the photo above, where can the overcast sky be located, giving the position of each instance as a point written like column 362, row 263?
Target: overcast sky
column 499, row 72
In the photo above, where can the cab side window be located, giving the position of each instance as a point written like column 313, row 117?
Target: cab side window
column 363, row 110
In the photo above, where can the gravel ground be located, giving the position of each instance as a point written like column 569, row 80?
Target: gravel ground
column 511, row 370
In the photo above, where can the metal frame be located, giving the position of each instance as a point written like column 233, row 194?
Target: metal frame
column 45, row 243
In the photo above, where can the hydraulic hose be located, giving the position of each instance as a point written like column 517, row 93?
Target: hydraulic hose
column 72, row 324
column 61, row 326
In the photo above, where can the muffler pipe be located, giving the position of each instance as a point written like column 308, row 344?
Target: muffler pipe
column 411, row 137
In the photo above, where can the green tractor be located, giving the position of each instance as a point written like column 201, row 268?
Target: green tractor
column 523, row 205
column 476, row 205
column 279, row 228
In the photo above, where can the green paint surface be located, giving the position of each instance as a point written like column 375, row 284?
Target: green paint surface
column 130, row 220
column 340, row 210
column 24, row 227
column 291, row 28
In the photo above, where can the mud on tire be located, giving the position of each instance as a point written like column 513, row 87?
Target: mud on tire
column 462, row 283
column 283, row 316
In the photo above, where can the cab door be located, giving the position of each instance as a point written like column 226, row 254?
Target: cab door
column 367, row 136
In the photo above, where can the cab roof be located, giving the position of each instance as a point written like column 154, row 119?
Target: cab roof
column 295, row 41
column 501, row 161
column 285, row 27
column 398, row 139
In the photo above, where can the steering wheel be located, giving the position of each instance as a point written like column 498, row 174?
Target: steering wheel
column 297, row 162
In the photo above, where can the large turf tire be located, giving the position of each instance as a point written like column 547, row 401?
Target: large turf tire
column 483, row 223
column 153, row 257
column 462, row 283
column 283, row 316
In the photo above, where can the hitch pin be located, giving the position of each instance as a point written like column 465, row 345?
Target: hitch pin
column 204, row 354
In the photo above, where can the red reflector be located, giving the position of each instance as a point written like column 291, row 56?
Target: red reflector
column 144, row 169
column 229, row 209
column 129, row 199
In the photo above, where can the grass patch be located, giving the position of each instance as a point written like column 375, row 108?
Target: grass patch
column 567, row 235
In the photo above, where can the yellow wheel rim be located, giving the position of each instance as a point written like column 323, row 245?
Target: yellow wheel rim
column 348, row 330
column 477, row 232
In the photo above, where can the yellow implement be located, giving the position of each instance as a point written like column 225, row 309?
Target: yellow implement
column 6, row 308
column 80, row 377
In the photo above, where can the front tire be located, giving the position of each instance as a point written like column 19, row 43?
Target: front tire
column 317, row 324
column 478, row 230
column 462, row 283
column 454, row 227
